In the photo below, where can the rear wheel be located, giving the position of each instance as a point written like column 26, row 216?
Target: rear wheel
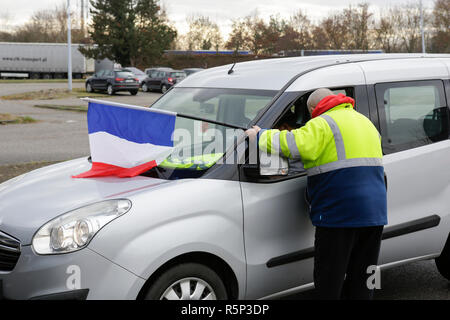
column 188, row 281
column 134, row 92
column 110, row 90
column 164, row 88
column 443, row 262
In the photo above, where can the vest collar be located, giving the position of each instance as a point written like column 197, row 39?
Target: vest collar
column 330, row 102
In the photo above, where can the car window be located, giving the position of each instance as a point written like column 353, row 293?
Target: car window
column 412, row 114
column 300, row 111
column 177, row 74
column 296, row 116
column 101, row 73
column 123, row 74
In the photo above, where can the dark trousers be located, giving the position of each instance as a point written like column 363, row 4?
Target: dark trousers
column 342, row 256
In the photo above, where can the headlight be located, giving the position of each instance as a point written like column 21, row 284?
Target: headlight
column 74, row 230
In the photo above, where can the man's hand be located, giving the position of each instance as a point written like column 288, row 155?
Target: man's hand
column 252, row 133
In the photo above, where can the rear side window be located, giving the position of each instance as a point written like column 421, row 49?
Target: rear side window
column 412, row 114
column 124, row 74
column 177, row 74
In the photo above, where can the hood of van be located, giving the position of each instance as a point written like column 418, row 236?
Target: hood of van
column 30, row 201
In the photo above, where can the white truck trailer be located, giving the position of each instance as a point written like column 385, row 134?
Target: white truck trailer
column 41, row 61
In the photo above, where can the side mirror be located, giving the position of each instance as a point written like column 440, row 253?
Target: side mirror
column 272, row 165
column 265, row 165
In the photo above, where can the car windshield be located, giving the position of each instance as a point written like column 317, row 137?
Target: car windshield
column 124, row 74
column 208, row 123
column 234, row 107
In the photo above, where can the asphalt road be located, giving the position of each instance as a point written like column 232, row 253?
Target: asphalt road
column 58, row 135
column 416, row 281
column 62, row 135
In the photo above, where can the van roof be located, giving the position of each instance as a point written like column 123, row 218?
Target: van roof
column 274, row 74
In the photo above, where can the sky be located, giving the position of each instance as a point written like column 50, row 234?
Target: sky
column 220, row 11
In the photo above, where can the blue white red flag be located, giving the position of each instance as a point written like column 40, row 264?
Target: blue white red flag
column 126, row 141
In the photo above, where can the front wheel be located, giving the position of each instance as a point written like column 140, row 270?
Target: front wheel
column 89, row 88
column 443, row 261
column 110, row 90
column 188, row 281
column 145, row 87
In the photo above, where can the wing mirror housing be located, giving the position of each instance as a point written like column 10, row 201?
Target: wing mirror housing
column 264, row 165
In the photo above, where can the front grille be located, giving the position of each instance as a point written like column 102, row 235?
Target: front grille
column 9, row 252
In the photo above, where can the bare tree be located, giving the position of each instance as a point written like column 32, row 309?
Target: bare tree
column 48, row 26
column 237, row 38
column 408, row 27
column 358, row 19
column 337, row 32
column 441, row 25
column 203, row 34
column 302, row 25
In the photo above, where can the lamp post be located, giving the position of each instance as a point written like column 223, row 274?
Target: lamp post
column 69, row 47
column 422, row 28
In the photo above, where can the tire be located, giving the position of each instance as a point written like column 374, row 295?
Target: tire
column 134, row 92
column 89, row 88
column 164, row 88
column 145, row 87
column 443, row 261
column 187, row 281
column 110, row 90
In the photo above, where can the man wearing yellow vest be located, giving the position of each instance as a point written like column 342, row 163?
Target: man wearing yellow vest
column 341, row 152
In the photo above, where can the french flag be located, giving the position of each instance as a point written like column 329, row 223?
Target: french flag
column 125, row 140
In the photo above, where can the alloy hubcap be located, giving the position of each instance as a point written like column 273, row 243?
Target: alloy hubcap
column 189, row 289
column 144, row 87
column 88, row 88
column 110, row 90
column 164, row 89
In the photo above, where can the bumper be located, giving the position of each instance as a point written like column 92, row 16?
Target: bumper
column 126, row 87
column 79, row 275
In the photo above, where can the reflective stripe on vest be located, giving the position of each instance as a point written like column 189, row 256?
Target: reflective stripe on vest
column 342, row 161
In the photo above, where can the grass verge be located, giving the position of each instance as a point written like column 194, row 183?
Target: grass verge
column 6, row 118
column 52, row 94
column 10, row 171
column 13, row 81
column 62, row 107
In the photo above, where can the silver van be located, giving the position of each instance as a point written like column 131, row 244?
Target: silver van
column 228, row 229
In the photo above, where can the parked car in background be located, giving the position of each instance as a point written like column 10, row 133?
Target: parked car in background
column 113, row 81
column 149, row 71
column 190, row 71
column 162, row 80
column 141, row 75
